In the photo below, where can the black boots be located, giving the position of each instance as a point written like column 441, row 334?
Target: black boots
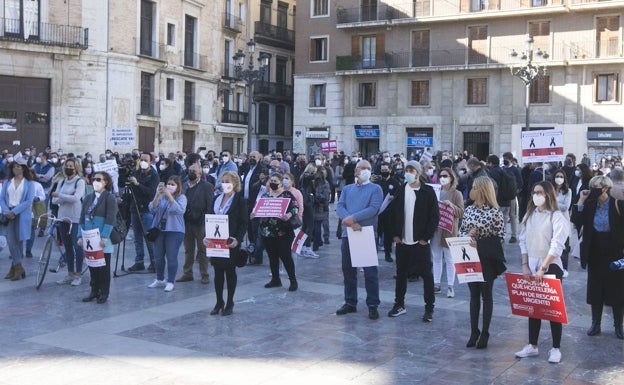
column 275, row 282
column 474, row 336
column 483, row 340
column 594, row 330
column 618, row 315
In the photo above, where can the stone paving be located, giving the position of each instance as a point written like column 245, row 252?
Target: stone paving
column 147, row 336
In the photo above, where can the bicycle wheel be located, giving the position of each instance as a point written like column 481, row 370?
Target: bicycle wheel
column 44, row 260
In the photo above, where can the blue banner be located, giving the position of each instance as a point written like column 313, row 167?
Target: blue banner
column 420, row 141
column 364, row 131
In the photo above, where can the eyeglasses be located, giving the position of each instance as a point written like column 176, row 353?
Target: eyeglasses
column 444, row 175
column 98, row 179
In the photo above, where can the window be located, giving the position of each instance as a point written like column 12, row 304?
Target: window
column 369, row 50
column 282, row 16
column 420, row 48
column 170, row 34
column 420, row 93
column 190, row 24
column 318, row 49
column 263, row 119
column 540, row 90
column 540, row 32
column 228, row 68
column 367, row 95
column 607, row 36
column 170, row 88
column 148, row 11
column 189, row 101
column 265, row 11
column 280, row 119
column 147, row 94
column 477, row 91
column 317, row 95
column 606, row 87
column 368, row 10
column 320, row 7
column 280, row 70
column 263, row 146
column 477, row 44
column 21, row 18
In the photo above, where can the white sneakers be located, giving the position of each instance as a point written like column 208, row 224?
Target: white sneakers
column 65, row 281
column 565, row 273
column 77, row 281
column 450, row 293
column 158, row 283
column 308, row 252
column 169, row 287
column 554, row 354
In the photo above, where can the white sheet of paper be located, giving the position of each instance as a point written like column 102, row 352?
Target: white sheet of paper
column 385, row 203
column 362, row 247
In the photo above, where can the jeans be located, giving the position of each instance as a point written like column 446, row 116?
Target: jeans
column 73, row 252
column 419, row 257
column 349, row 273
column 509, row 214
column 440, row 256
column 139, row 228
column 317, row 240
column 15, row 245
column 166, row 247
column 31, row 241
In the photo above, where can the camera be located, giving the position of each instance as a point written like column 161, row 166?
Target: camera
column 617, row 265
column 126, row 170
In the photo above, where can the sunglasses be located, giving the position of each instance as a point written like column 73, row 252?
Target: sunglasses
column 444, row 175
column 98, row 179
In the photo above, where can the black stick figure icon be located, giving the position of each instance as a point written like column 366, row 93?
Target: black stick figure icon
column 552, row 142
column 89, row 247
column 465, row 255
column 217, row 233
column 532, row 144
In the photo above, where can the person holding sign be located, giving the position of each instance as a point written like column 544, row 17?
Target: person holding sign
column 277, row 234
column 168, row 209
column 99, row 211
column 602, row 220
column 449, row 198
column 483, row 221
column 542, row 240
column 233, row 204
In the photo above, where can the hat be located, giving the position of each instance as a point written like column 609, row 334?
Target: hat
column 446, row 163
column 22, row 161
column 415, row 165
column 128, row 155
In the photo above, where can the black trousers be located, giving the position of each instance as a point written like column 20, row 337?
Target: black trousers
column 419, row 257
column 481, row 291
column 221, row 274
column 556, row 328
column 100, row 277
column 278, row 249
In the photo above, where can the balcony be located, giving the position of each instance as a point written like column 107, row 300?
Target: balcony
column 191, row 112
column 273, row 92
column 235, row 117
column 593, row 49
column 149, row 48
column 232, row 22
column 274, row 35
column 148, row 106
column 194, row 60
column 229, row 71
column 44, row 33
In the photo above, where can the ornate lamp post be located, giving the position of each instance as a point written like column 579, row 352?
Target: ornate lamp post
column 528, row 72
column 250, row 75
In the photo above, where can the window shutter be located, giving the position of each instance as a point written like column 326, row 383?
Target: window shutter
column 373, row 94
column 355, row 46
column 312, row 50
column 616, row 89
column 311, row 96
column 381, row 47
column 596, row 88
column 464, row 6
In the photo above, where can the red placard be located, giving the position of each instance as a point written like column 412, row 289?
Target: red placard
column 328, row 146
column 536, row 300
column 271, row 207
column 447, row 217
column 214, row 243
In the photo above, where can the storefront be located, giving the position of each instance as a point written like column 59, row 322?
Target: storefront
column 314, row 136
column 367, row 136
column 604, row 142
column 419, row 140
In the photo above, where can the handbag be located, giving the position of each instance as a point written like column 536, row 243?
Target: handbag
column 241, row 257
column 295, row 222
column 3, row 220
column 152, row 234
column 120, row 230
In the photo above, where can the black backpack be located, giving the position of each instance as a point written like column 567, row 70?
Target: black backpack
column 507, row 187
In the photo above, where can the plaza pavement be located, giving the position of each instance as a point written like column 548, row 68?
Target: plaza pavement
column 147, row 336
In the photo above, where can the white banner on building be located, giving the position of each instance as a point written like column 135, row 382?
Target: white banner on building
column 122, row 137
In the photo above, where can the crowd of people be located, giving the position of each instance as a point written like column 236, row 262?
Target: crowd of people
column 553, row 210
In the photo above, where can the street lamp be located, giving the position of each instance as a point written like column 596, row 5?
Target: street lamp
column 528, row 72
column 250, row 75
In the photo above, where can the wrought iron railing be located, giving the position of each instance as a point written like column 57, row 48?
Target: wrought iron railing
column 273, row 89
column 194, row 60
column 236, row 117
column 150, row 48
column 44, row 33
column 275, row 33
column 232, row 22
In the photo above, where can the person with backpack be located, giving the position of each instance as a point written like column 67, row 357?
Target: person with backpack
column 509, row 166
column 506, row 186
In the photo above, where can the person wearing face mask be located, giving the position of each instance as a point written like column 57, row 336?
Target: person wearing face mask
column 389, row 187
column 68, row 196
column 415, row 216
column 254, row 172
column 542, row 240
column 564, row 201
column 277, row 235
column 199, row 199
column 440, row 252
column 226, row 164
column 284, row 167
column 602, row 220
column 143, row 184
column 99, row 211
column 358, row 206
column 168, row 208
column 595, row 170
column 320, row 207
column 348, row 173
column 339, row 181
column 16, row 200
column 165, row 171
column 44, row 171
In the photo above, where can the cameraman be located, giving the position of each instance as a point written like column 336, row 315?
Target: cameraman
column 142, row 185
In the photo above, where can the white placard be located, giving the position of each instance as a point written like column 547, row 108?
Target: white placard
column 362, row 247
column 122, row 137
column 542, row 146
column 93, row 252
column 466, row 260
column 437, row 188
column 217, row 233
column 110, row 166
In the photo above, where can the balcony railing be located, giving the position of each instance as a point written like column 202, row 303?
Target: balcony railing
column 593, row 49
column 275, row 90
column 149, row 106
column 232, row 22
column 44, row 33
column 150, row 48
column 274, row 35
column 236, row 117
column 192, row 112
column 194, row 60
column 229, row 71
column 431, row 8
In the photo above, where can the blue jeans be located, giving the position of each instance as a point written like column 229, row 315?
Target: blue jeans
column 73, row 252
column 139, row 228
column 371, row 279
column 15, row 245
column 31, row 241
column 317, row 241
column 167, row 245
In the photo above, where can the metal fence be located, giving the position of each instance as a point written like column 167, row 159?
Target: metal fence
column 44, row 33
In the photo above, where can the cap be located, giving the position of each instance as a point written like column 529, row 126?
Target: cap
column 21, row 161
column 415, row 165
column 128, row 155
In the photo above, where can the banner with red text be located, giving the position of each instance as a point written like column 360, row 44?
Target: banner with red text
column 447, row 217
column 271, row 207
column 536, row 300
column 466, row 259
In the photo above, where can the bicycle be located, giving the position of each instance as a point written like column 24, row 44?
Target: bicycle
column 46, row 252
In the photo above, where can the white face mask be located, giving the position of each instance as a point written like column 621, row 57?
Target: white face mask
column 172, row 189
column 538, row 200
column 225, row 159
column 410, row 178
column 577, row 173
column 444, row 181
column 317, row 162
column 206, row 170
column 162, row 167
column 156, row 160
column 98, row 186
column 144, row 165
column 430, row 172
column 595, row 168
column 559, row 181
column 346, row 161
column 387, row 159
column 38, row 159
column 227, row 187
column 365, row 175
column 54, row 160
column 286, row 183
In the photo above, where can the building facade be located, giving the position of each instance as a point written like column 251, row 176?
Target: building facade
column 404, row 76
